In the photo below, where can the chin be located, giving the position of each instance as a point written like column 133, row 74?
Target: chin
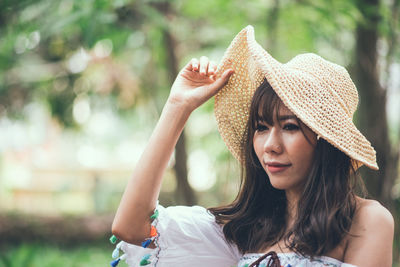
column 279, row 185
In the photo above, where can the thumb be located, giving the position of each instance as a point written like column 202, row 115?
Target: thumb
column 222, row 81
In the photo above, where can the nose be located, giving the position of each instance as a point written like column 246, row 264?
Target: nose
column 273, row 142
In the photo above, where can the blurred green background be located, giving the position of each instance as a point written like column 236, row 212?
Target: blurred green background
column 82, row 84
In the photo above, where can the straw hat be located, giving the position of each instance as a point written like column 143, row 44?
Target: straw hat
column 320, row 93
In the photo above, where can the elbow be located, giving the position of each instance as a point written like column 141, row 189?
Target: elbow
column 123, row 233
column 115, row 230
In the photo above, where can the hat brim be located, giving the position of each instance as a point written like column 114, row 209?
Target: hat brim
column 252, row 64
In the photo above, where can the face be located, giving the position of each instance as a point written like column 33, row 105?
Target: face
column 285, row 150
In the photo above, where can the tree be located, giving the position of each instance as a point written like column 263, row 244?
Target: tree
column 372, row 116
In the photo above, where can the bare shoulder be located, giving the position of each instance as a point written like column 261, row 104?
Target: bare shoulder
column 370, row 240
column 371, row 215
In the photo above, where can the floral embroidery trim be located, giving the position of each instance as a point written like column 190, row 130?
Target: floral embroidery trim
column 292, row 257
column 264, row 265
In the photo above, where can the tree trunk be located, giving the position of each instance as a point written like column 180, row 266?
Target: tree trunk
column 184, row 192
column 372, row 109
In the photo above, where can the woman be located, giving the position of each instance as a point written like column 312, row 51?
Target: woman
column 290, row 125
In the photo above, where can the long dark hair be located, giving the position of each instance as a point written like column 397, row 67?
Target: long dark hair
column 257, row 218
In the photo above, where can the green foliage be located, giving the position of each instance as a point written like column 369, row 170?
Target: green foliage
column 36, row 33
column 35, row 255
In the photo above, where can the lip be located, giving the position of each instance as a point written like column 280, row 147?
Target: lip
column 276, row 167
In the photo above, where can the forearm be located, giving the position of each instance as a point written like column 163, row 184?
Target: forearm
column 132, row 220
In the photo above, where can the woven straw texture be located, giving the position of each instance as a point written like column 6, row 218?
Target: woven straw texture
column 320, row 93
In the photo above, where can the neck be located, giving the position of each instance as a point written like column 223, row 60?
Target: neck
column 292, row 200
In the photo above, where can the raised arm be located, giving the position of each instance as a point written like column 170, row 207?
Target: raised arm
column 194, row 85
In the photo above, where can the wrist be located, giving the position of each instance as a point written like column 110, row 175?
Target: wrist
column 178, row 106
column 176, row 112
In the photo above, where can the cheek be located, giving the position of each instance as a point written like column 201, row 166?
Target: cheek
column 302, row 153
column 258, row 146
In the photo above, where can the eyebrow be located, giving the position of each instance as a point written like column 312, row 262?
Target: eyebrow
column 286, row 117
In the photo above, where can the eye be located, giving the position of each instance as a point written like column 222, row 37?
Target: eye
column 290, row 127
column 260, row 127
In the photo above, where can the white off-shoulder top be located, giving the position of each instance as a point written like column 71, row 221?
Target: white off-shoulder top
column 189, row 236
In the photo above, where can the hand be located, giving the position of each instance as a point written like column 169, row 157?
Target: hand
column 196, row 83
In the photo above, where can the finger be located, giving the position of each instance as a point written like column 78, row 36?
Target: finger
column 211, row 68
column 191, row 64
column 221, row 81
column 195, row 64
column 203, row 65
